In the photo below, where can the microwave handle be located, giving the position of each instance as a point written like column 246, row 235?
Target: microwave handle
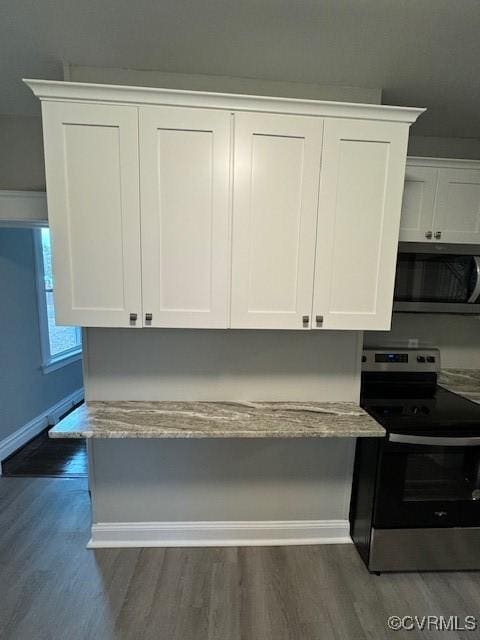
column 476, row 290
column 439, row 441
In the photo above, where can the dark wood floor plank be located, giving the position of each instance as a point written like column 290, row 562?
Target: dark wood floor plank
column 53, row 588
column 44, row 457
column 224, row 598
column 253, row 610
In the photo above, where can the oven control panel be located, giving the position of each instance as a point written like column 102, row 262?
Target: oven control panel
column 402, row 360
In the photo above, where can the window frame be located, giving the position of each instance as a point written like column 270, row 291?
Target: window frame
column 49, row 362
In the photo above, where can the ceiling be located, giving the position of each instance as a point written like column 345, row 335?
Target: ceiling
column 421, row 52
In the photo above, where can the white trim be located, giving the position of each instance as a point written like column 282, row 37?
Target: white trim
column 442, row 163
column 218, row 533
column 25, row 207
column 41, row 300
column 49, row 363
column 85, row 360
column 62, row 361
column 50, row 416
column 91, row 470
column 109, row 93
column 22, row 224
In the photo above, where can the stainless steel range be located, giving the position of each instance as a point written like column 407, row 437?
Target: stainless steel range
column 416, row 493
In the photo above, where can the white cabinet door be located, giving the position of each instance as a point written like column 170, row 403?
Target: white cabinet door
column 276, row 174
column 91, row 157
column 416, row 223
column 457, row 209
column 184, row 176
column 363, row 170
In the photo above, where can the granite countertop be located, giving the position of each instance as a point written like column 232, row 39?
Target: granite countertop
column 131, row 419
column 465, row 382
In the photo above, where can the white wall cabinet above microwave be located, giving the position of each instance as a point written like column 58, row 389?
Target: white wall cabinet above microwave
column 441, row 201
column 188, row 209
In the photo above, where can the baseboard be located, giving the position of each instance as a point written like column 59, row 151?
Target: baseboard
column 56, row 412
column 50, row 416
column 218, row 534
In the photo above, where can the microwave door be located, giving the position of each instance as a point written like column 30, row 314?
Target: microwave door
column 475, row 296
column 432, row 283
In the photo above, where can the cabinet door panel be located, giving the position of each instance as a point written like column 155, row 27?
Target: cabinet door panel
column 277, row 166
column 363, row 170
column 185, row 173
column 91, row 157
column 457, row 211
column 417, row 204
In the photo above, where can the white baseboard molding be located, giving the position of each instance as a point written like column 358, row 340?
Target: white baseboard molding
column 28, row 431
column 218, row 534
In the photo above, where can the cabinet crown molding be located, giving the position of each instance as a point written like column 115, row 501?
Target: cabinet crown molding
column 26, row 207
column 442, row 163
column 54, row 90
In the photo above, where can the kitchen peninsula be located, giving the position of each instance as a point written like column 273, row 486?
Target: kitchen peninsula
column 223, row 253
column 218, row 420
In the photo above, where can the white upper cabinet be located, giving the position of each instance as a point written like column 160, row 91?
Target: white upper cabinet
column 185, row 216
column 277, row 168
column 457, row 210
column 91, row 156
column 417, row 206
column 192, row 209
column 441, row 201
column 361, row 186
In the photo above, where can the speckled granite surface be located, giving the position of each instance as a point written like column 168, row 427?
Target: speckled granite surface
column 217, row 420
column 465, row 382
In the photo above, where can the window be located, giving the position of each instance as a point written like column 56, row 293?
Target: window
column 60, row 345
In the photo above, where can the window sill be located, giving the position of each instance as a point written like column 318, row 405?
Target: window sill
column 61, row 361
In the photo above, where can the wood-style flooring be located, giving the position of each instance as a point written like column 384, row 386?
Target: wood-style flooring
column 42, row 456
column 53, row 588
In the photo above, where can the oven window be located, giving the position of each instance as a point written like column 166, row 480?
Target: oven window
column 432, row 278
column 442, row 476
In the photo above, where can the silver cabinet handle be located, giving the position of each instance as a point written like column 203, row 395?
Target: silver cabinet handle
column 439, row 441
column 319, row 321
column 148, row 317
column 133, row 317
column 428, row 235
column 305, row 320
column 437, row 235
column 476, row 289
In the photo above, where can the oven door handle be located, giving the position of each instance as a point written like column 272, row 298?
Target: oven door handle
column 439, row 441
column 476, row 290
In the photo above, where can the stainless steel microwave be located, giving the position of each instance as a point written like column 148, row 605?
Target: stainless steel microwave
column 437, row 278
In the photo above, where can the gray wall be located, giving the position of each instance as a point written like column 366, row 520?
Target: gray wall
column 457, row 336
column 433, row 147
column 25, row 391
column 21, row 153
column 222, row 84
column 188, row 364
column 226, row 480
column 222, row 480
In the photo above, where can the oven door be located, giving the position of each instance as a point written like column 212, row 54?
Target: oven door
column 428, row 482
column 437, row 282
